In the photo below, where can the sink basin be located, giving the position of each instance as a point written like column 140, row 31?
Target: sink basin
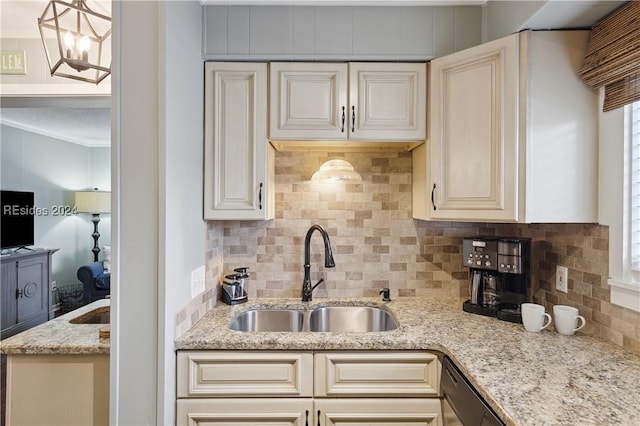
column 339, row 319
column 96, row 316
column 268, row 320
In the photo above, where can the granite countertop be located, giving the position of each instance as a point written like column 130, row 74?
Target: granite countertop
column 61, row 337
column 528, row 378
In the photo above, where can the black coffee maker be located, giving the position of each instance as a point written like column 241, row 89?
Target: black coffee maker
column 498, row 275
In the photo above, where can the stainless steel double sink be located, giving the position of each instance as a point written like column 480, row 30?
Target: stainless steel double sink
column 335, row 319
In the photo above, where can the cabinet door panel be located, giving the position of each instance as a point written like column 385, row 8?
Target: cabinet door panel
column 388, row 100
column 32, row 300
column 8, row 313
column 376, row 374
column 473, row 133
column 220, row 374
column 307, row 101
column 236, row 181
column 244, row 411
column 381, row 412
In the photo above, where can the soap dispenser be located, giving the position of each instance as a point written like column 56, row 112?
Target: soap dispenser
column 234, row 290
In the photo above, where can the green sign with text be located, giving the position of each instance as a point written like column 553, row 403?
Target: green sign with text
column 13, row 62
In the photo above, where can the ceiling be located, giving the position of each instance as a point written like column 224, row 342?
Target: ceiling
column 19, row 18
column 91, row 126
column 84, row 126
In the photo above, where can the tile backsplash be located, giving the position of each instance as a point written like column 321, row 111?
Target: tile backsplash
column 198, row 306
column 377, row 244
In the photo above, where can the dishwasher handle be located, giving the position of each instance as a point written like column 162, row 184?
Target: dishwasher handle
column 465, row 401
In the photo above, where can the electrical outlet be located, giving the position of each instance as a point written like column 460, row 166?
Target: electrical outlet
column 562, row 279
column 197, row 281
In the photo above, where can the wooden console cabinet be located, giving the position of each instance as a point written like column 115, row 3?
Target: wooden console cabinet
column 26, row 291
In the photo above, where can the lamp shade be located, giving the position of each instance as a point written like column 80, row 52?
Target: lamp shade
column 93, row 201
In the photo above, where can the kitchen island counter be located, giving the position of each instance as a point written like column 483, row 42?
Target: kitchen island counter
column 527, row 378
column 61, row 337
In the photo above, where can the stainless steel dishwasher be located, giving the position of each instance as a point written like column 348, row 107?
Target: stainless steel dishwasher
column 462, row 405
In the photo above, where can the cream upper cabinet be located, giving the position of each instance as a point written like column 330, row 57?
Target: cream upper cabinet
column 355, row 101
column 473, row 132
column 238, row 161
column 512, row 133
column 308, row 100
column 387, row 101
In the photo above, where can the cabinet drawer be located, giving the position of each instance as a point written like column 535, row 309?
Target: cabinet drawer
column 245, row 412
column 376, row 374
column 246, row 374
column 378, row 412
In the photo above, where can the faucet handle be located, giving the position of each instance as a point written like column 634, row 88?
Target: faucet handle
column 385, row 295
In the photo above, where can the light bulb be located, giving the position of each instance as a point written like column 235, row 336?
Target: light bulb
column 84, row 44
column 69, row 40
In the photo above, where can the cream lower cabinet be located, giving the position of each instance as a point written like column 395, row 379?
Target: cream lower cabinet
column 378, row 411
column 513, row 133
column 245, row 412
column 305, row 388
column 238, row 160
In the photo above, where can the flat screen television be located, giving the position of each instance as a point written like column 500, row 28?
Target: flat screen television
column 17, row 220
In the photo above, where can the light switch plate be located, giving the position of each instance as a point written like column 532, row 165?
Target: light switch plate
column 562, row 279
column 197, row 281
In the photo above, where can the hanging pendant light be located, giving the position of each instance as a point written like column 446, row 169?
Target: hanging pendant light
column 77, row 40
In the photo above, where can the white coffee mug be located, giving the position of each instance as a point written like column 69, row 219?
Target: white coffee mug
column 566, row 319
column 534, row 316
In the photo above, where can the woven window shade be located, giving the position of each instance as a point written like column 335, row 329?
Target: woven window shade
column 613, row 56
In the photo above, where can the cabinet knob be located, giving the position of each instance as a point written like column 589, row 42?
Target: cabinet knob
column 29, row 290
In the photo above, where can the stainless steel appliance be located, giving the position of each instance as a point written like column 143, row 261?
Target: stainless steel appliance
column 498, row 275
column 234, row 289
column 462, row 405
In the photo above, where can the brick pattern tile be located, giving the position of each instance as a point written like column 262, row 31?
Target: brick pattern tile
column 377, row 244
column 197, row 307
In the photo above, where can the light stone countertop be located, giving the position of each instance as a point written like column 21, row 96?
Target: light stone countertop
column 60, row 337
column 528, row 378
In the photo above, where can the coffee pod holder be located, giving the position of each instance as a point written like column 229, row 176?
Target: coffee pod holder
column 234, row 289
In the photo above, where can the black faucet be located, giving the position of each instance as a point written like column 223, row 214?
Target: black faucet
column 307, row 288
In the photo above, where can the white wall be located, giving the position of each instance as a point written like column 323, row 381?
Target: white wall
column 54, row 169
column 502, row 18
column 157, row 180
column 182, row 230
column 135, row 224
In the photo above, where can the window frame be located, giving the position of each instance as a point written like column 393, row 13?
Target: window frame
column 615, row 192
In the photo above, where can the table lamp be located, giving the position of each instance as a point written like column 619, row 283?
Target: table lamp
column 94, row 202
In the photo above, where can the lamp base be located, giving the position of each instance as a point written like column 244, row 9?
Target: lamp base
column 95, row 218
